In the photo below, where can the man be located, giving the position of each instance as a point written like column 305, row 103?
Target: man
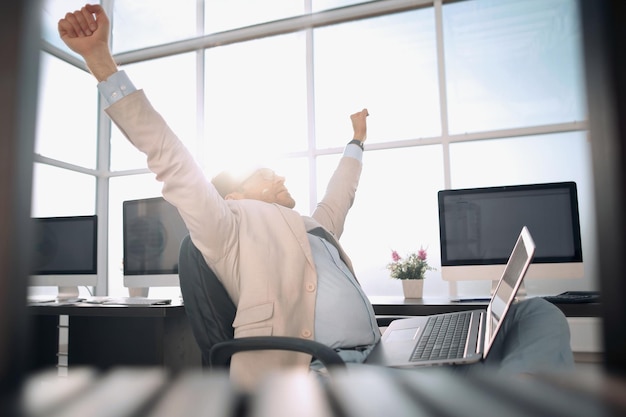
column 286, row 273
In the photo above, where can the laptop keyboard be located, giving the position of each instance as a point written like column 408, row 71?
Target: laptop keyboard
column 443, row 338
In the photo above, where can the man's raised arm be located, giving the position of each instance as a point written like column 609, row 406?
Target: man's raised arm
column 86, row 32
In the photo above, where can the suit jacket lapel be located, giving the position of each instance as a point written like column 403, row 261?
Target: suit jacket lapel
column 298, row 228
column 313, row 227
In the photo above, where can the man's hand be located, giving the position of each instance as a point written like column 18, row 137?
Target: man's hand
column 359, row 125
column 86, row 32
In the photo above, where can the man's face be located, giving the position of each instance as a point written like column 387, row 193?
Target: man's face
column 265, row 185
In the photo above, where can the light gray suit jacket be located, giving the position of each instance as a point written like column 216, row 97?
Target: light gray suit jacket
column 259, row 251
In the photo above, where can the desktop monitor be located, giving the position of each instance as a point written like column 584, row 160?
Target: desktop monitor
column 152, row 232
column 478, row 228
column 65, row 253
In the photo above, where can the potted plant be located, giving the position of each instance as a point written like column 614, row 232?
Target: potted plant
column 411, row 270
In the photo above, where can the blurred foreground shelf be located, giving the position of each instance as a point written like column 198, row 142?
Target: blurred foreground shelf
column 361, row 391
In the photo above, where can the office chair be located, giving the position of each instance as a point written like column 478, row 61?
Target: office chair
column 211, row 314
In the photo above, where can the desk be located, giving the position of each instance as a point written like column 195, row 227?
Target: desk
column 108, row 336
column 400, row 306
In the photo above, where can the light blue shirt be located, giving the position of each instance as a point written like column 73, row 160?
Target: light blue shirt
column 344, row 317
column 116, row 87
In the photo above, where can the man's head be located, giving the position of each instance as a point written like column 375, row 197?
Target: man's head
column 262, row 184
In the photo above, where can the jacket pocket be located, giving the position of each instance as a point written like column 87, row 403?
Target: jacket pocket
column 249, row 322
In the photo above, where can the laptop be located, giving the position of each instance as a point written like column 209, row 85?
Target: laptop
column 406, row 343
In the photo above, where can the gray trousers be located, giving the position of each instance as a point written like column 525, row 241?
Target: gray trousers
column 534, row 337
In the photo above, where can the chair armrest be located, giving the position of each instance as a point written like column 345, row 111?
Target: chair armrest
column 220, row 353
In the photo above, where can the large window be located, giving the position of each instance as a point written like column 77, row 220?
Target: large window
column 512, row 64
column 221, row 15
column 395, row 209
column 177, row 104
column 255, row 100
column 387, row 64
column 68, row 113
column 145, row 23
column 62, row 192
column 462, row 94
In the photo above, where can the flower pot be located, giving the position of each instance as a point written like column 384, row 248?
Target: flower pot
column 413, row 288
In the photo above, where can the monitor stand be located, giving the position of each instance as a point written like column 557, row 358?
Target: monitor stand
column 521, row 292
column 453, row 290
column 138, row 291
column 69, row 292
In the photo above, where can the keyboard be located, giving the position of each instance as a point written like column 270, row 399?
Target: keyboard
column 129, row 301
column 52, row 300
column 574, row 297
column 444, row 337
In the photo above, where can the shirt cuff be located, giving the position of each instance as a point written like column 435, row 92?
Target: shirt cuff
column 353, row 151
column 117, row 86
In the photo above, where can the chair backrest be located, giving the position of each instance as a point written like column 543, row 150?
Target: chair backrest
column 211, row 314
column 209, row 308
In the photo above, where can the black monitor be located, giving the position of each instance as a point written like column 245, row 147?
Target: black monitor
column 479, row 227
column 65, row 253
column 152, row 232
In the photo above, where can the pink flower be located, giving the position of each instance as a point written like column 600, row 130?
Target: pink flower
column 414, row 266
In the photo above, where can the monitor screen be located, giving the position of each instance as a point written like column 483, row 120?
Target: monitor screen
column 479, row 227
column 152, row 232
column 65, row 252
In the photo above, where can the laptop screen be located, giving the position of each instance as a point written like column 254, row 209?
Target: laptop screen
column 512, row 277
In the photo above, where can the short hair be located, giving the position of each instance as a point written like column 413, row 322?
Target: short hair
column 228, row 181
column 225, row 183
